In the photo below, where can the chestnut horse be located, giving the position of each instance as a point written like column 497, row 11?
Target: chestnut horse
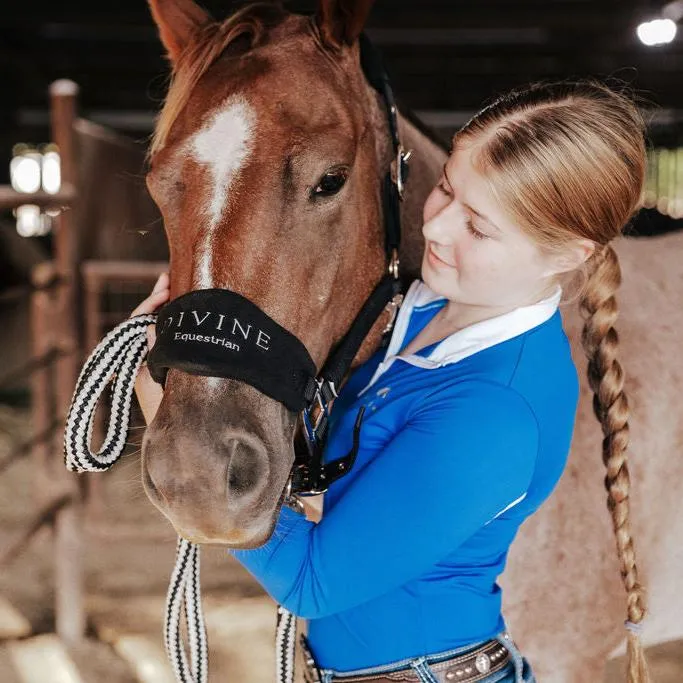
column 267, row 165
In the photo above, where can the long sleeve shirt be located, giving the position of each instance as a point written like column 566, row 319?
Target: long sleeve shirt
column 460, row 443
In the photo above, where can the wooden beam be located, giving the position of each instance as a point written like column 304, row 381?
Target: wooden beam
column 22, row 538
column 147, row 659
column 126, row 625
column 43, row 659
column 10, row 198
column 13, row 624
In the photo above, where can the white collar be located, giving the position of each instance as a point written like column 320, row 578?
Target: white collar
column 470, row 339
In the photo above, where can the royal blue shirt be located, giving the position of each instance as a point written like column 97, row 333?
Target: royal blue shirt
column 460, row 443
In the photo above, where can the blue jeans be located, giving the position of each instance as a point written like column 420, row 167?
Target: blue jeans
column 517, row 670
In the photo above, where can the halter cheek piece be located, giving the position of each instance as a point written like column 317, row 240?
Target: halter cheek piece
column 220, row 333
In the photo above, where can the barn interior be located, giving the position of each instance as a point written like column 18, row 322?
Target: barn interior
column 446, row 59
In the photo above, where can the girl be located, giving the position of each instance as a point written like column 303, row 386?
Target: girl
column 470, row 410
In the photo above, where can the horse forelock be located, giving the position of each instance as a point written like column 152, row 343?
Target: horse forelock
column 251, row 21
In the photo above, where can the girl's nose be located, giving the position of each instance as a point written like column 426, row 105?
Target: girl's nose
column 440, row 229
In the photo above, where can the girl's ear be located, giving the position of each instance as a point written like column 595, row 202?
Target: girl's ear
column 572, row 258
column 178, row 22
column 341, row 21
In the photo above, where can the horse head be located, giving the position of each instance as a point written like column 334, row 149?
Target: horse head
column 267, row 165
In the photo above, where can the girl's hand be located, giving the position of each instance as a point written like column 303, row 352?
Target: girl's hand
column 150, row 393
column 313, row 506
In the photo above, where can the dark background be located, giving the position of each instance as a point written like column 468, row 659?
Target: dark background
column 446, row 58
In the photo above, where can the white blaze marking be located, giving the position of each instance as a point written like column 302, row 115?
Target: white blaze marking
column 224, row 144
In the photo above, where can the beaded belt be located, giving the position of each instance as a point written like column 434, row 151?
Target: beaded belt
column 473, row 666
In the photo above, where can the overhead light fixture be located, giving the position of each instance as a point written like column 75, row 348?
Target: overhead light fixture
column 51, row 170
column 24, row 169
column 656, row 32
column 661, row 30
column 33, row 169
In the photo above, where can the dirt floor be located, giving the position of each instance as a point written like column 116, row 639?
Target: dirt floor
column 127, row 578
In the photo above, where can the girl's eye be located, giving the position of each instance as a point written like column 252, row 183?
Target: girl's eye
column 475, row 233
column 331, row 183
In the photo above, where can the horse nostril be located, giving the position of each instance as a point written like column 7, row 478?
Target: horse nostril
column 247, row 468
column 155, row 494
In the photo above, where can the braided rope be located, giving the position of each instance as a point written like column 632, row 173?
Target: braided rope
column 119, row 355
column 285, row 642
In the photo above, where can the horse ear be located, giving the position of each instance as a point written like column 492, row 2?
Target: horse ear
column 178, row 21
column 341, row 21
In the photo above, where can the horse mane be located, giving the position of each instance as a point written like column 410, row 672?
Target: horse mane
column 211, row 41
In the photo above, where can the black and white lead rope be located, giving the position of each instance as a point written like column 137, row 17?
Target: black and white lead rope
column 119, row 356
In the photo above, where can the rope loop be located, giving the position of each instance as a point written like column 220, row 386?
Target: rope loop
column 119, row 357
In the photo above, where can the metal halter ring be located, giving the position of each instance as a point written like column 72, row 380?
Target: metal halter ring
column 393, row 264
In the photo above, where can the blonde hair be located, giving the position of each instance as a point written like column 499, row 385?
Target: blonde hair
column 567, row 161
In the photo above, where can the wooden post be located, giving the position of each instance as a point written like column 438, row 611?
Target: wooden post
column 69, row 564
column 42, row 405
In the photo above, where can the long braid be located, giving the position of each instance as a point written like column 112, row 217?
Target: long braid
column 606, row 378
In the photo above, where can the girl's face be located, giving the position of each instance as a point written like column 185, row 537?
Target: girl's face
column 474, row 253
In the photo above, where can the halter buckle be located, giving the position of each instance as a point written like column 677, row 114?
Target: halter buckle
column 399, row 169
column 392, row 307
column 320, row 403
column 291, row 500
column 306, row 480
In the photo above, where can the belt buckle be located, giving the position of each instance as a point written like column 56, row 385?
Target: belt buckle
column 312, row 671
column 489, row 658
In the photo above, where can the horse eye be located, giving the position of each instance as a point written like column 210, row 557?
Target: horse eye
column 331, row 183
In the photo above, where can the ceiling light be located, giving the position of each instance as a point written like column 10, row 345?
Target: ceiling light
column 656, row 32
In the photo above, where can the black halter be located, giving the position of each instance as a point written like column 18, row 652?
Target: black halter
column 310, row 475
column 220, row 333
